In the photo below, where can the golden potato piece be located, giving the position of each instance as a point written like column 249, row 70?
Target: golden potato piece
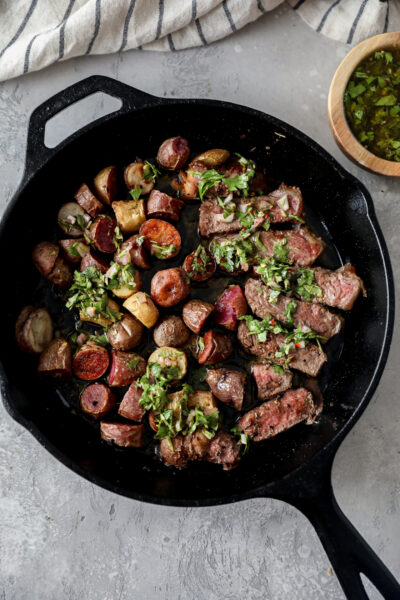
column 143, row 308
column 204, row 400
column 130, row 214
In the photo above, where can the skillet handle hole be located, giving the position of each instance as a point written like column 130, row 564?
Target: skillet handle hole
column 79, row 114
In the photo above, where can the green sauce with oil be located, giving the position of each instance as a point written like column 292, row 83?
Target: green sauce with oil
column 372, row 104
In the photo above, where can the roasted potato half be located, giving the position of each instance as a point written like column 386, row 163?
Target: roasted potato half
column 105, row 184
column 143, row 308
column 170, row 357
column 130, row 214
column 213, row 158
column 92, row 316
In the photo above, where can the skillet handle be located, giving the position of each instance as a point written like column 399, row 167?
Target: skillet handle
column 349, row 553
column 37, row 152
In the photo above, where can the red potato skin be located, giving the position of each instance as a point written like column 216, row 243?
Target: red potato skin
column 163, row 206
column 130, row 407
column 195, row 275
column 122, row 434
column 106, row 184
column 67, row 244
column 102, row 233
column 217, row 348
column 195, row 313
column 132, row 253
column 169, row 287
column 90, row 362
column 55, row 360
column 125, row 334
column 97, row 400
column 229, row 307
column 44, row 256
column 120, row 373
column 88, row 201
column 92, row 260
column 160, row 232
column 173, row 153
column 22, row 330
column 61, row 274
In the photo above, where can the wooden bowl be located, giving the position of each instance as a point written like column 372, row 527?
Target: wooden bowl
column 342, row 133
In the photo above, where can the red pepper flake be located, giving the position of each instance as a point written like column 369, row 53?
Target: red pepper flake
column 147, row 182
column 267, row 217
column 243, row 228
column 223, row 259
column 198, row 260
column 298, row 345
column 293, row 359
column 273, row 321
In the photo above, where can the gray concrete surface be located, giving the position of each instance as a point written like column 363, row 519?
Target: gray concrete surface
column 62, row 538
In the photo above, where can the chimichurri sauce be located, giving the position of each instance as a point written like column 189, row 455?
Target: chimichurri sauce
column 372, row 104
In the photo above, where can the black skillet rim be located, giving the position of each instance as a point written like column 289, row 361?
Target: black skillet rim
column 330, row 448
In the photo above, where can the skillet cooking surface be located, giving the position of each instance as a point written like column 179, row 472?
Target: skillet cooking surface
column 336, row 208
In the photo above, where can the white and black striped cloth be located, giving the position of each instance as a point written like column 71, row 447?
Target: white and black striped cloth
column 37, row 33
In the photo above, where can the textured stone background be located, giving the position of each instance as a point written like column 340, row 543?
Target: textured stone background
column 61, row 538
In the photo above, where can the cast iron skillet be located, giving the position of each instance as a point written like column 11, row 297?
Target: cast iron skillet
column 295, row 466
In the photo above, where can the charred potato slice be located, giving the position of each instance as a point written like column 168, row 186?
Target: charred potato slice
column 130, row 214
column 143, row 308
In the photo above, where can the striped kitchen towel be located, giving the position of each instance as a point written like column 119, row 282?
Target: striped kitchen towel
column 350, row 21
column 37, row 33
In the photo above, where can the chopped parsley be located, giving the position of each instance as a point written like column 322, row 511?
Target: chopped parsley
column 155, row 383
column 163, row 252
column 241, row 182
column 372, row 104
column 281, row 250
column 136, row 192
column 132, row 364
column 118, row 238
column 122, row 275
column 295, row 338
column 305, row 285
column 290, row 309
column 244, row 439
column 231, row 253
column 201, row 260
column 181, row 419
column 150, row 172
column 89, row 291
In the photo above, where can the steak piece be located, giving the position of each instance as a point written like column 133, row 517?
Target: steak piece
column 227, row 385
column 320, row 319
column 308, row 360
column 211, row 214
column 340, row 288
column 276, row 416
column 222, row 449
column 269, row 382
column 304, row 246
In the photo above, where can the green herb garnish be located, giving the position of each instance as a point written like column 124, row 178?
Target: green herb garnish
column 372, row 104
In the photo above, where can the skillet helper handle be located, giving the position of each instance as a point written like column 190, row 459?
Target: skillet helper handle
column 37, row 152
column 349, row 553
